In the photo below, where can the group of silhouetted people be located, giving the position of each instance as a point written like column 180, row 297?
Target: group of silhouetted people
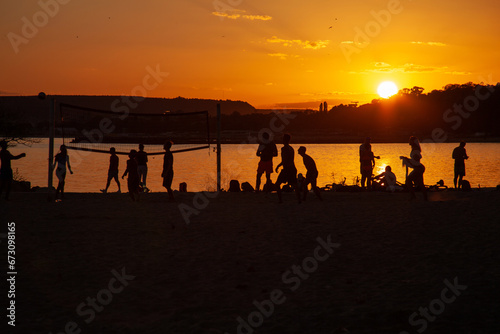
column 136, row 169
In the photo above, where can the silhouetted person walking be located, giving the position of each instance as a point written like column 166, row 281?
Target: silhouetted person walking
column 266, row 151
column 113, row 170
column 366, row 162
column 6, row 174
column 289, row 173
column 416, row 176
column 168, row 169
column 142, row 166
column 61, row 161
column 133, row 182
column 460, row 155
column 311, row 175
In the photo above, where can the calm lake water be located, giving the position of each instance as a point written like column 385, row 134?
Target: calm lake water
column 198, row 168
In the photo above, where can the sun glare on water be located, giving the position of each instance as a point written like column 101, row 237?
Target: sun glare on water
column 387, row 89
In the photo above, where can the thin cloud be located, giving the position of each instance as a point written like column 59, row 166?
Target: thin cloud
column 257, row 17
column 282, row 56
column 238, row 14
column 429, row 43
column 315, row 45
column 382, row 67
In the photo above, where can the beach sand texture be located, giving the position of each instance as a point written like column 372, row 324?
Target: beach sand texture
column 393, row 258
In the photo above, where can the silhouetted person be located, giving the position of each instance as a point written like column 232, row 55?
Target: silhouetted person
column 416, row 176
column 387, row 179
column 168, row 169
column 61, row 161
column 133, row 182
column 311, row 175
column 289, row 173
column 366, row 162
column 266, row 151
column 142, row 166
column 460, row 155
column 113, row 170
column 6, row 174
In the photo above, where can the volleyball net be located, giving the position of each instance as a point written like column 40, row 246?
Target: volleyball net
column 89, row 129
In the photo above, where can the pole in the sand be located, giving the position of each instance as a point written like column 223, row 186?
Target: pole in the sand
column 218, row 149
column 52, row 113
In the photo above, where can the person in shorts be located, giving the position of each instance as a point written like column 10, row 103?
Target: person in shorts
column 311, row 175
column 168, row 169
column 289, row 173
column 266, row 151
column 113, row 170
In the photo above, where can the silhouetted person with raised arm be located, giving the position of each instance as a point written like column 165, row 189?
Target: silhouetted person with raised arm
column 460, row 155
column 6, row 174
column 133, row 182
column 61, row 161
column 168, row 170
column 311, row 175
column 366, row 162
column 289, row 173
column 113, row 170
column 416, row 176
column 266, row 151
column 142, row 166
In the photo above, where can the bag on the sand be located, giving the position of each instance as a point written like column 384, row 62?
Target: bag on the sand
column 466, row 185
column 245, row 186
column 234, row 186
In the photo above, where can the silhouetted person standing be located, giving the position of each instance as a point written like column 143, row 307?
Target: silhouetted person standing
column 416, row 176
column 266, row 151
column 460, row 155
column 289, row 173
column 133, row 182
column 61, row 161
column 311, row 175
column 113, row 170
column 366, row 162
column 142, row 166
column 168, row 169
column 6, row 174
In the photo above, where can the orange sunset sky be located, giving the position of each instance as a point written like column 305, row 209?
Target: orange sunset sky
column 270, row 53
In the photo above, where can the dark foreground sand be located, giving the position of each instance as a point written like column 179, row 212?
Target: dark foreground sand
column 395, row 257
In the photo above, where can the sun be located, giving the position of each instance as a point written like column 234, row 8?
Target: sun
column 387, row 89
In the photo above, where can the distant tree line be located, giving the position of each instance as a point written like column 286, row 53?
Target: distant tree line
column 457, row 110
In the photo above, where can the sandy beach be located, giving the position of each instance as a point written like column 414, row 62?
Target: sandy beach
column 353, row 263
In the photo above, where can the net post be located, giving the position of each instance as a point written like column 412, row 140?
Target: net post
column 218, row 149
column 52, row 113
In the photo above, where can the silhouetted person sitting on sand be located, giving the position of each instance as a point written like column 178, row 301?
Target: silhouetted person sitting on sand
column 113, row 170
column 387, row 179
column 460, row 155
column 61, row 161
column 289, row 173
column 168, row 169
column 142, row 166
column 6, row 174
column 416, row 176
column 266, row 151
column 133, row 176
column 311, row 175
column 367, row 162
